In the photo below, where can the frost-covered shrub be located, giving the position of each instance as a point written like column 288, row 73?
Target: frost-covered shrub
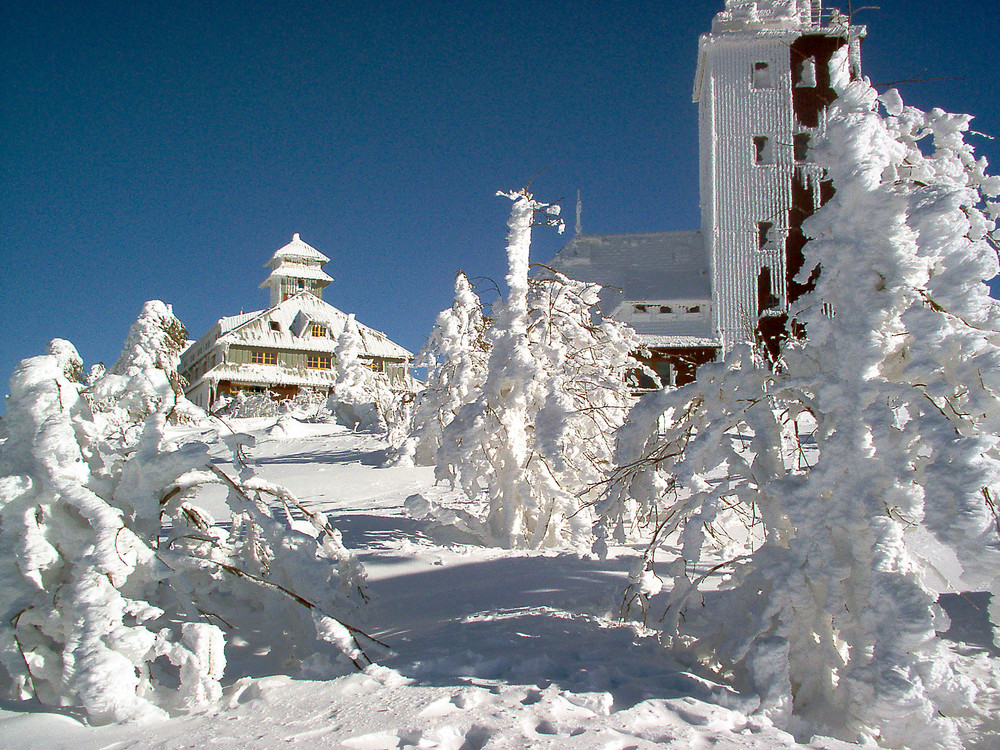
column 120, row 593
column 535, row 438
column 455, row 356
column 866, row 460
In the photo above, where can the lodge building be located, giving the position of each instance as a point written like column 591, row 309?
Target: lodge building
column 288, row 347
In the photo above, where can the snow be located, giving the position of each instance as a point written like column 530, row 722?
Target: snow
column 490, row 648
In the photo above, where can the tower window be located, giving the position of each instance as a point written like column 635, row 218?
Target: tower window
column 800, row 146
column 763, row 153
column 763, row 233
column 762, row 76
column 806, row 74
column 766, row 300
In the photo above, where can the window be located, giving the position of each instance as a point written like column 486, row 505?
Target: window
column 762, row 150
column 318, row 361
column 258, row 357
column 762, row 76
column 640, row 308
column 317, row 329
column 763, row 233
column 800, row 146
column 766, row 300
column 275, row 325
column 806, row 74
column 694, row 309
column 662, row 368
column 377, row 365
column 665, row 309
column 302, row 284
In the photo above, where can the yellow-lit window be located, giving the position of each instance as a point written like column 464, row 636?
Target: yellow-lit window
column 258, row 357
column 317, row 330
column 317, row 362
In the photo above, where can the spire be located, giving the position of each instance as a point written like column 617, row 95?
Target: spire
column 579, row 213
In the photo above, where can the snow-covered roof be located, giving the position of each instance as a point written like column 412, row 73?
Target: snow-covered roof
column 655, row 269
column 295, row 271
column 269, row 374
column 655, row 266
column 294, row 317
column 230, row 322
column 297, row 250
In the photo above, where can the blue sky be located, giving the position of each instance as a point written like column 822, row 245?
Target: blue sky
column 155, row 150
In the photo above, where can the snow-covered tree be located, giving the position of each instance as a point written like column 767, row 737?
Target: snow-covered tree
column 455, row 356
column 145, row 376
column 358, row 399
column 533, row 440
column 120, row 592
column 866, row 464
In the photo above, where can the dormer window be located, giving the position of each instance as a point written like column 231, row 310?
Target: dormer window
column 317, row 329
column 762, row 76
column 275, row 325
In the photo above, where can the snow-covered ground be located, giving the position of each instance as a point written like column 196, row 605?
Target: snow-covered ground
column 489, row 648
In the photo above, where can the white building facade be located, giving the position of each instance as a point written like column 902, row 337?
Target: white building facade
column 762, row 86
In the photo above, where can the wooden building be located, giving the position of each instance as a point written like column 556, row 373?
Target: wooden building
column 290, row 345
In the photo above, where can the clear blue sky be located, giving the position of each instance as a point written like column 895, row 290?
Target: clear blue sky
column 165, row 150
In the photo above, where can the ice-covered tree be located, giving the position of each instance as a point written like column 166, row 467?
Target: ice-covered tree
column 145, row 377
column 866, row 463
column 121, row 594
column 455, row 356
column 533, row 439
column 359, row 399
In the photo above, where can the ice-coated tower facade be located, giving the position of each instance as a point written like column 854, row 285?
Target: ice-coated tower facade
column 762, row 87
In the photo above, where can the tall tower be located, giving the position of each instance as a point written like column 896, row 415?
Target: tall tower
column 762, row 87
column 296, row 267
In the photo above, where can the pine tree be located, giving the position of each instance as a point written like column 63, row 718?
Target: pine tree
column 531, row 442
column 875, row 433
column 120, row 591
column 455, row 355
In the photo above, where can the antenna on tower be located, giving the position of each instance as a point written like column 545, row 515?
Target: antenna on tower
column 579, row 212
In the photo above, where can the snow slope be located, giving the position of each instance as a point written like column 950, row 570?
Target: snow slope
column 490, row 648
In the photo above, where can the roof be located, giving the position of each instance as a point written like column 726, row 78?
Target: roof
column 297, row 250
column 296, row 271
column 654, row 266
column 294, row 317
column 668, row 269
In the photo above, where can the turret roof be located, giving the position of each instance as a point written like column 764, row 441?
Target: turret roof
column 297, row 250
